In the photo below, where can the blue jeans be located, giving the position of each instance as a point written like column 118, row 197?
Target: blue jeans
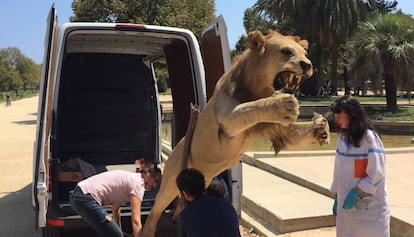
column 93, row 213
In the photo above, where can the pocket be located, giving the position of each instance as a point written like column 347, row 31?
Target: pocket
column 360, row 168
column 362, row 203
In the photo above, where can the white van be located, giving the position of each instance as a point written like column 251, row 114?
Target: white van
column 99, row 106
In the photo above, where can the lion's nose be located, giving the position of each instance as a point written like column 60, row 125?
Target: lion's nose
column 305, row 66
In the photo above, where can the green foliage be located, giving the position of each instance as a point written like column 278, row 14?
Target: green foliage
column 327, row 23
column 17, row 72
column 19, row 94
column 252, row 21
column 383, row 50
column 189, row 14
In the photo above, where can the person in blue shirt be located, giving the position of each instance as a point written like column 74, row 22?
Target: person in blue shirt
column 204, row 215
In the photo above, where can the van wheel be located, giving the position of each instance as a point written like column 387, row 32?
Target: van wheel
column 51, row 232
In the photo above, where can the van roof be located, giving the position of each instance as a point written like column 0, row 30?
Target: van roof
column 145, row 40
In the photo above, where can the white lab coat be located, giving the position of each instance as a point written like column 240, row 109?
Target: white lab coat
column 362, row 167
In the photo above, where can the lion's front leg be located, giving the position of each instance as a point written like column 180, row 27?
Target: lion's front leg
column 280, row 108
column 307, row 133
column 298, row 134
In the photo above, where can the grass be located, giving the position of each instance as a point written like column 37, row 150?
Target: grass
column 362, row 99
column 389, row 141
column 262, row 144
column 21, row 94
column 376, row 112
column 380, row 113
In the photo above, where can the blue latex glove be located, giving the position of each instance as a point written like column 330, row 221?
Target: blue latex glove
column 335, row 205
column 350, row 199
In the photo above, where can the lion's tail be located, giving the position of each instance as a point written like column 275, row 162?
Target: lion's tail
column 194, row 112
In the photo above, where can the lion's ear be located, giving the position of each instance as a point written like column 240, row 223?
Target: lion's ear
column 304, row 44
column 316, row 115
column 255, row 40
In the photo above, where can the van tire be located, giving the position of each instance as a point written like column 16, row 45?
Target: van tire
column 51, row 231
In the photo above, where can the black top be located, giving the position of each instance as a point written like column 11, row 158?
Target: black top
column 208, row 216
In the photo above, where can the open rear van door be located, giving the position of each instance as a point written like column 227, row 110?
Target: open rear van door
column 44, row 117
column 217, row 61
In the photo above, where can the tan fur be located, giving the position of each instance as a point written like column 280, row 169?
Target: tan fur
column 245, row 105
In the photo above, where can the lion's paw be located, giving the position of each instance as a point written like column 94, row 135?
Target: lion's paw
column 287, row 108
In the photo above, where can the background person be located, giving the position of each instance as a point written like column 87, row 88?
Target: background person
column 361, row 205
column 204, row 215
column 116, row 187
column 8, row 100
column 218, row 188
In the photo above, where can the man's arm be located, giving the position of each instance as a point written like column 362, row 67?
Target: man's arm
column 116, row 213
column 136, row 216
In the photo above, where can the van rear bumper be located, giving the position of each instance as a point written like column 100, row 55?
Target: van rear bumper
column 64, row 217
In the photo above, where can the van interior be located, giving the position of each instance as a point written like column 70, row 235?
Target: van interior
column 107, row 111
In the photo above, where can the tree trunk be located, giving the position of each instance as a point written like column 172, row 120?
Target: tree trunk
column 390, row 92
column 346, row 81
column 334, row 72
column 409, row 90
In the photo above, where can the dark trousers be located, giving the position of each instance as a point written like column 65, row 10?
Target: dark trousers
column 93, row 213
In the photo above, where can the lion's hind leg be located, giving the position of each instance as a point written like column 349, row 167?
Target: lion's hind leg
column 162, row 201
column 168, row 190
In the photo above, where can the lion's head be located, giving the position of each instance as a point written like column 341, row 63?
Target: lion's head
column 273, row 62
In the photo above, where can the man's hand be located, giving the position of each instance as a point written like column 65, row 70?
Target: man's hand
column 136, row 216
column 116, row 213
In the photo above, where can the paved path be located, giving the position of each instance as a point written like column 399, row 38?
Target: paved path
column 314, row 169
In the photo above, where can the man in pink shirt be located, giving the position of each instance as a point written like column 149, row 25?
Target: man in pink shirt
column 114, row 188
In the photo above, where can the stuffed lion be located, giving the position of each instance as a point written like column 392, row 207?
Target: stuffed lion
column 249, row 100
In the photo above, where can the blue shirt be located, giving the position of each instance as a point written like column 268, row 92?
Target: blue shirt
column 208, row 216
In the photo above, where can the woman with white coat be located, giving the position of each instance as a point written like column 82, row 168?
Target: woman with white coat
column 361, row 204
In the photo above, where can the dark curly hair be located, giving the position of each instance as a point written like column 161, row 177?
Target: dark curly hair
column 358, row 118
column 191, row 181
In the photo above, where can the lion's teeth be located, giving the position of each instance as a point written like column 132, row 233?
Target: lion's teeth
column 291, row 75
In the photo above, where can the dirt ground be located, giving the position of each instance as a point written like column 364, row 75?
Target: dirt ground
column 17, row 133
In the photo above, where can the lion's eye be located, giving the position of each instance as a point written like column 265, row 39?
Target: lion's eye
column 286, row 52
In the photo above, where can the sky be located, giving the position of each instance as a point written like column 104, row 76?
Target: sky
column 24, row 27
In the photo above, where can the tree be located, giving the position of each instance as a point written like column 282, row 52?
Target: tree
column 126, row 11
column 328, row 22
column 28, row 71
column 252, row 20
column 384, row 47
column 17, row 71
column 190, row 14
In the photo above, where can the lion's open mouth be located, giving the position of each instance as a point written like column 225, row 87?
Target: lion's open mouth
column 287, row 81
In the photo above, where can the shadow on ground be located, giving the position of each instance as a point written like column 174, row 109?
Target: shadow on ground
column 17, row 215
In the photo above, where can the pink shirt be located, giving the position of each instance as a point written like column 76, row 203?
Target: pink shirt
column 114, row 186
